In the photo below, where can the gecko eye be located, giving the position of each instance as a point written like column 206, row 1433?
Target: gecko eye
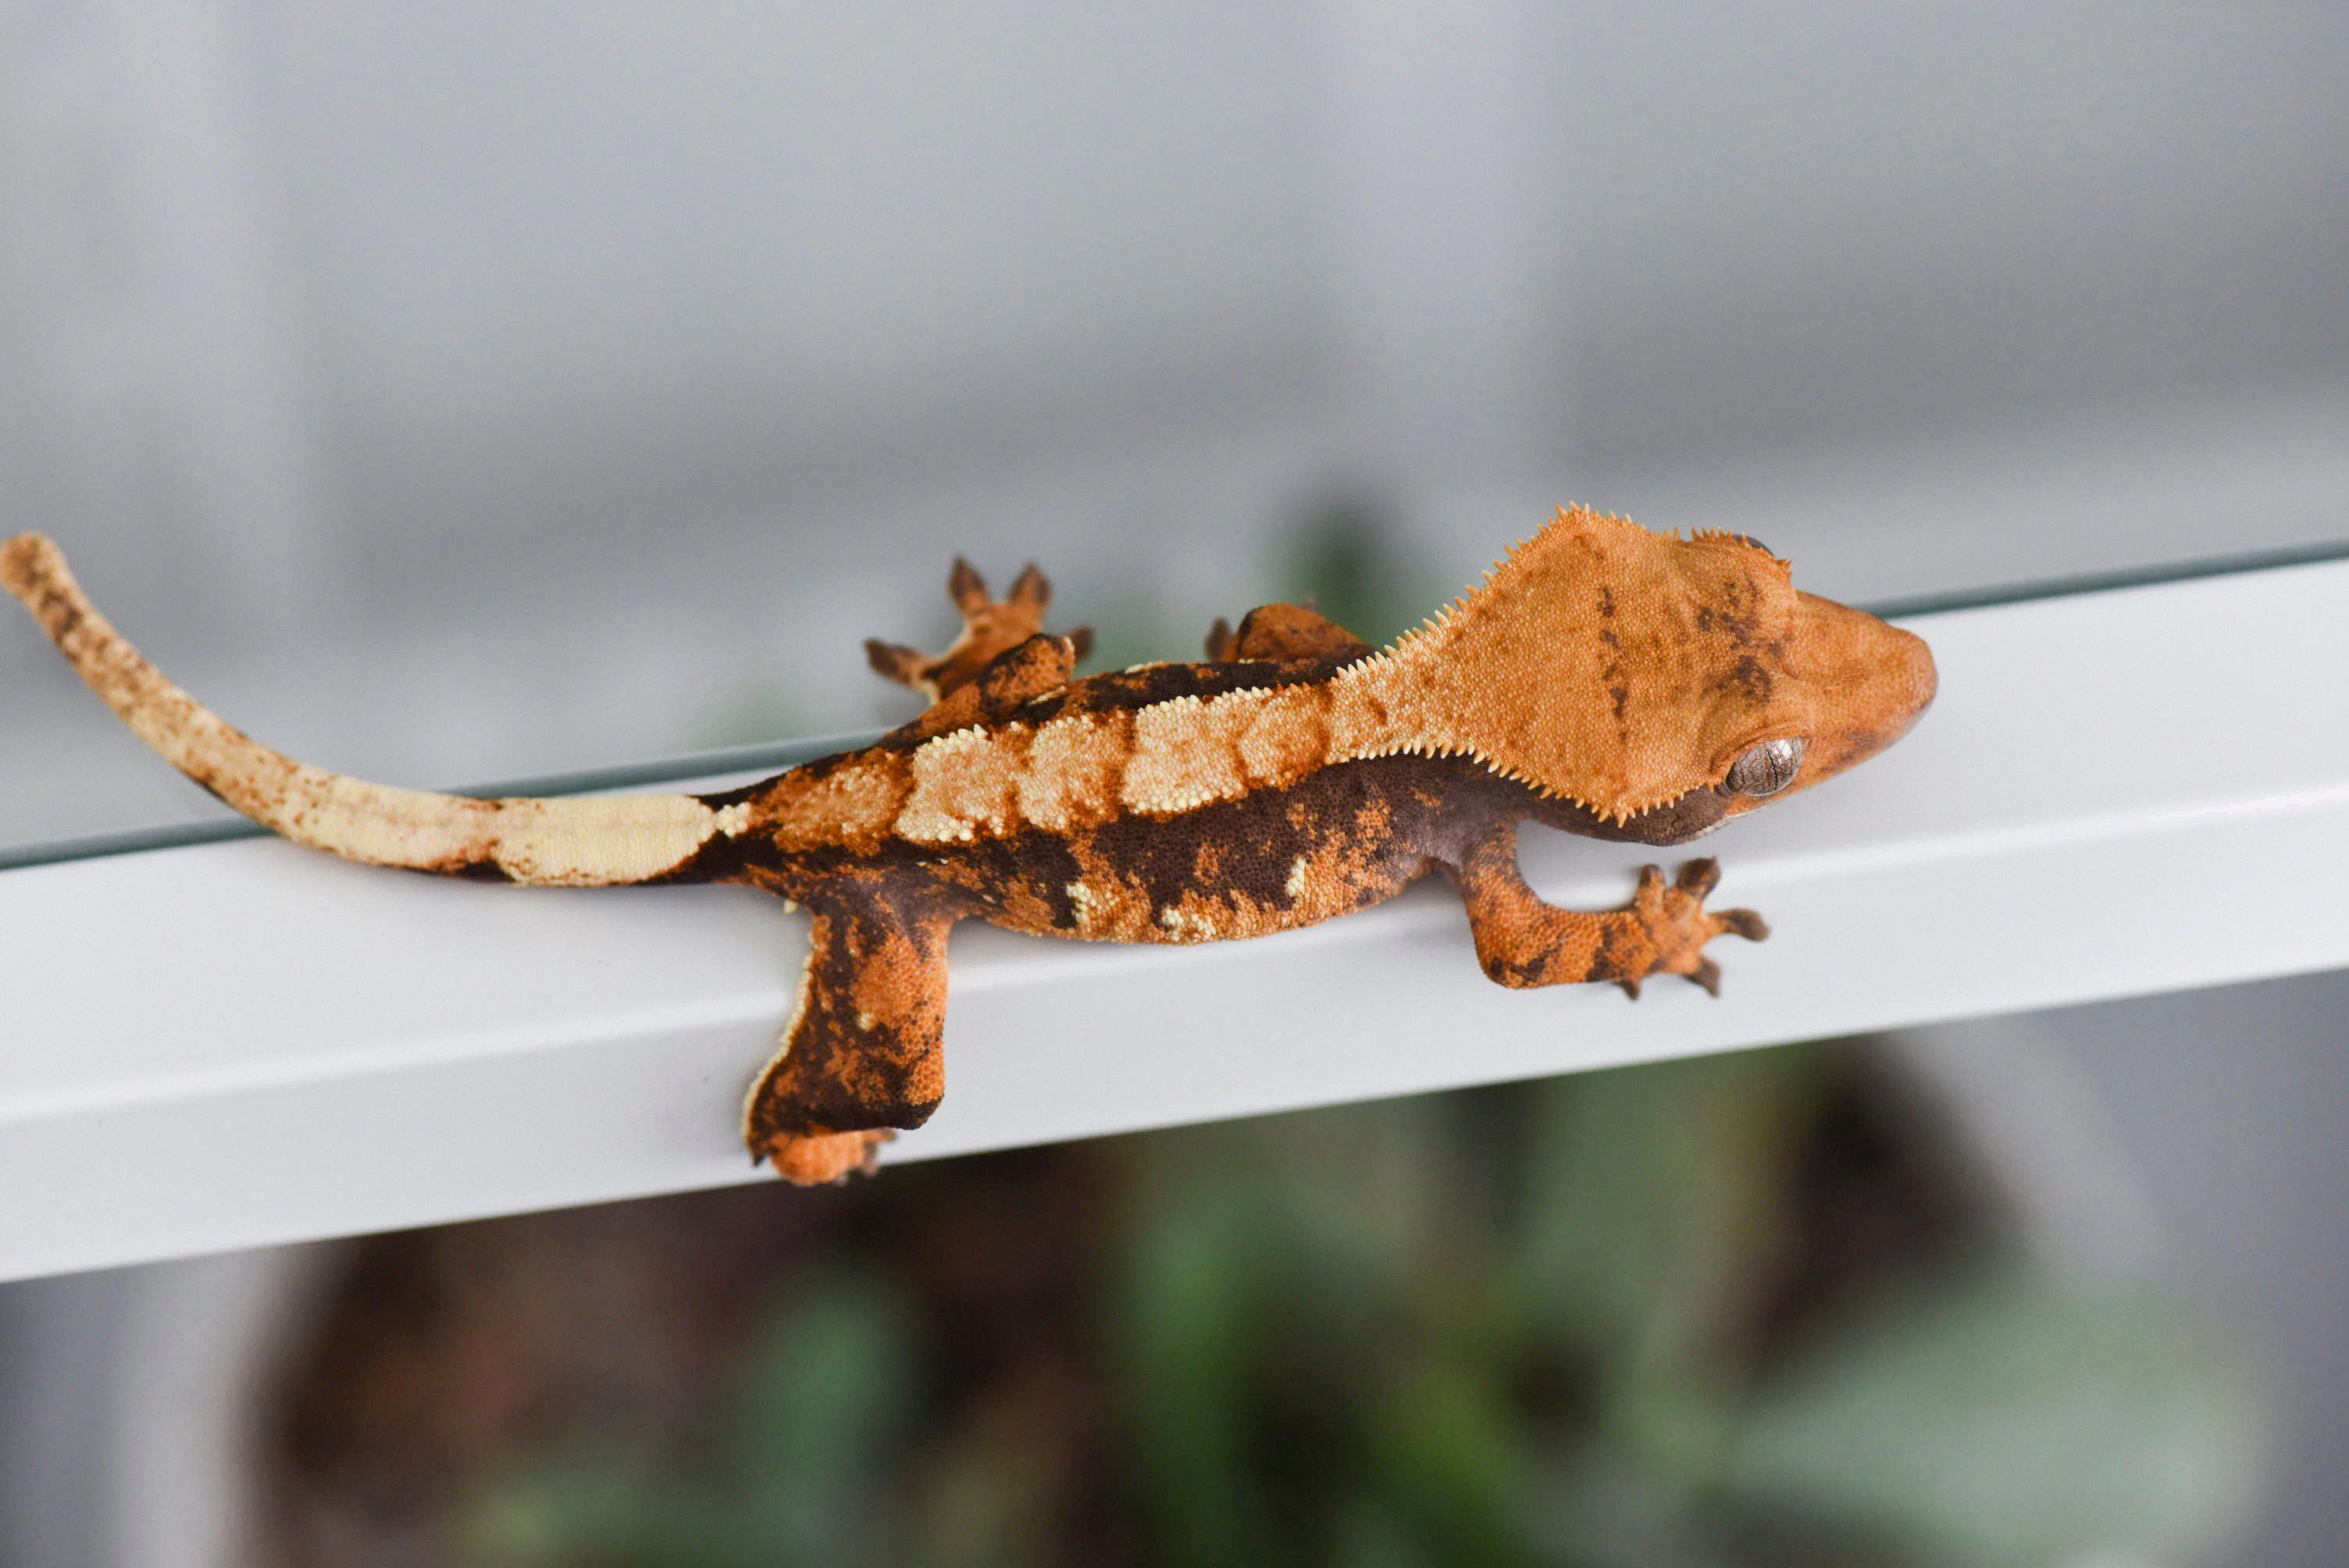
column 1766, row 769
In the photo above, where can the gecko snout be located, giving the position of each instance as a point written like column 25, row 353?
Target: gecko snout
column 1872, row 682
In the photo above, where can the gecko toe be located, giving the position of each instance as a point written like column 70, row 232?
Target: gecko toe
column 1743, row 922
column 1631, row 988
column 1700, row 877
column 1707, row 974
column 894, row 660
column 965, row 587
column 1031, row 589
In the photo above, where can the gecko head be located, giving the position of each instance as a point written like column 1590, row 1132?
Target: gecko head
column 1659, row 685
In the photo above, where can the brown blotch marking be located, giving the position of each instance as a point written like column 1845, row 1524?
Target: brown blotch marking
column 1619, row 689
column 1620, row 956
column 1022, row 882
column 1226, row 868
column 473, row 871
column 1152, row 684
column 1752, row 679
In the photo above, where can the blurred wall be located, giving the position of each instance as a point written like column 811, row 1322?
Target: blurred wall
column 453, row 390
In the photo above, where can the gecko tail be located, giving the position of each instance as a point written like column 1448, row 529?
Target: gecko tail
column 584, row 843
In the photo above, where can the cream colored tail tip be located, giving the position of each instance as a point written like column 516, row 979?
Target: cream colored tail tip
column 27, row 560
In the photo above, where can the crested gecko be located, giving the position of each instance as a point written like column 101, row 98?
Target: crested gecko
column 1604, row 679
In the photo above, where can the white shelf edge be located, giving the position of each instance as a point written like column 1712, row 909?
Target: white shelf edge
column 242, row 1044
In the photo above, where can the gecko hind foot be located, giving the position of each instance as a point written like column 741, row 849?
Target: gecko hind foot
column 989, row 626
column 826, row 1158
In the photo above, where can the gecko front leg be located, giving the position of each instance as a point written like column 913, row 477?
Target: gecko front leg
column 862, row 1054
column 1284, row 631
column 1524, row 942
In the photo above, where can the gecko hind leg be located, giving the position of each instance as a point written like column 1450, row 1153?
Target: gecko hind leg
column 989, row 627
column 861, row 1054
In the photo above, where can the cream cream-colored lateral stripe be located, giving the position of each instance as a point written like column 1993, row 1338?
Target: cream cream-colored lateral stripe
column 557, row 842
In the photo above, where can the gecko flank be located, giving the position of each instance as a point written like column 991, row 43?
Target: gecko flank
column 1603, row 679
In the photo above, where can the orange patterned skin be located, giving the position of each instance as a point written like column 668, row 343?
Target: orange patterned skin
column 1604, row 679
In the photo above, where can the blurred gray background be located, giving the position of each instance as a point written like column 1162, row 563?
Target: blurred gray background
column 448, row 391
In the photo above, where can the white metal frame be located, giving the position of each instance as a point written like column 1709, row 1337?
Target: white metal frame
column 242, row 1043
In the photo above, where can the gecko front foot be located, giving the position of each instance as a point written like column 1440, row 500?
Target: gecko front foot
column 1677, row 925
column 989, row 626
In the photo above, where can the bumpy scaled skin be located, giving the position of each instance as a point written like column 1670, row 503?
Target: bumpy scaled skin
column 1604, row 679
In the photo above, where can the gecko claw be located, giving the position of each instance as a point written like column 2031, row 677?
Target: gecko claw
column 1631, row 988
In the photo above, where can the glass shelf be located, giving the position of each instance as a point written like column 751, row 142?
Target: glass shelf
column 775, row 757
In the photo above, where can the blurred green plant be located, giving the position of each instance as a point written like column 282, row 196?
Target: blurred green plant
column 1341, row 554
column 794, row 1475
column 1589, row 1324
